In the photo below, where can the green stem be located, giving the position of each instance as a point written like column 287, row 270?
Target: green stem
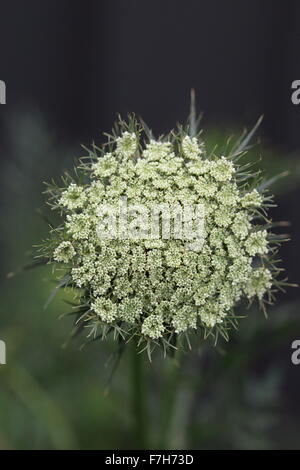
column 172, row 381
column 139, row 404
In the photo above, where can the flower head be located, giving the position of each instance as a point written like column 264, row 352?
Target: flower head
column 73, row 197
column 160, row 287
column 64, row 252
column 126, row 144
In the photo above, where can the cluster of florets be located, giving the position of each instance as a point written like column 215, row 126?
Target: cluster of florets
column 155, row 288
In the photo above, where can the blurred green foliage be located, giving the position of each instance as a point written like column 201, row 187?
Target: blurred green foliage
column 235, row 396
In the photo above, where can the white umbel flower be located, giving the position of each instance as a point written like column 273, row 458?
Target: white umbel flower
column 161, row 287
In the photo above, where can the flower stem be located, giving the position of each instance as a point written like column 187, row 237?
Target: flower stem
column 172, row 382
column 139, row 404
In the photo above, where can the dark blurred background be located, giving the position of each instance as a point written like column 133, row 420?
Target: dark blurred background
column 69, row 67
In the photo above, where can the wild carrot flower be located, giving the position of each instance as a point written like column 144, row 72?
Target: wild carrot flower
column 161, row 288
